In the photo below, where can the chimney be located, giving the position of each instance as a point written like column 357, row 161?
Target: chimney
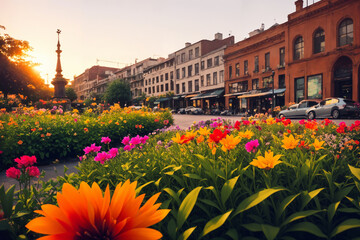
column 187, row 44
column 262, row 28
column 299, row 5
column 218, row 36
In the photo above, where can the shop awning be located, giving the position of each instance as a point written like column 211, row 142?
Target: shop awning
column 198, row 96
column 212, row 94
column 176, row 97
column 235, row 94
column 191, row 95
column 162, row 100
column 276, row 91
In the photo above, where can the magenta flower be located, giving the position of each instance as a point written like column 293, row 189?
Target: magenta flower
column 105, row 140
column 102, row 157
column 126, row 140
column 33, row 171
column 252, row 146
column 13, row 173
column 92, row 148
column 25, row 161
column 144, row 139
column 128, row 147
column 75, row 119
column 302, row 121
column 113, row 152
column 135, row 140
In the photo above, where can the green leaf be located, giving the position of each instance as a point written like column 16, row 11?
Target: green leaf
column 342, row 193
column 215, row 223
column 138, row 190
column 172, row 194
column 308, row 196
column 253, row 227
column 186, row 234
column 299, row 215
column 7, row 199
column 193, row 176
column 355, row 171
column 227, row 189
column 255, row 199
column 345, row 225
column 187, row 206
column 269, row 231
column 332, row 210
column 286, row 203
column 307, row 227
column 233, row 234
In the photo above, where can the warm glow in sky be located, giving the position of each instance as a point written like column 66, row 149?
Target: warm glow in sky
column 121, row 31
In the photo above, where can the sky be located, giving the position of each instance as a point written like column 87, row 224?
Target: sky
column 122, row 31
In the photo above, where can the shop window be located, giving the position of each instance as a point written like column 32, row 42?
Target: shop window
column 267, row 61
column 255, row 84
column 319, row 41
column 299, row 89
column 314, row 87
column 346, row 32
column 237, row 69
column 299, row 48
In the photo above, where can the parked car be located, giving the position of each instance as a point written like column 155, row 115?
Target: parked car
column 226, row 113
column 193, row 110
column 215, row 111
column 298, row 110
column 335, row 108
column 181, row 111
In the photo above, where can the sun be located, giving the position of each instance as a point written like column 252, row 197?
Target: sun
column 44, row 65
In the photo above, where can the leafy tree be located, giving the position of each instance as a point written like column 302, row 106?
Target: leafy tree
column 70, row 93
column 118, row 91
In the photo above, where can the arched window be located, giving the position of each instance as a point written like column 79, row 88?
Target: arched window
column 319, row 41
column 345, row 33
column 299, row 48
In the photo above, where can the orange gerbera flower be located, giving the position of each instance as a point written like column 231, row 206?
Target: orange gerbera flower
column 267, row 162
column 318, row 145
column 87, row 214
column 290, row 142
column 229, row 142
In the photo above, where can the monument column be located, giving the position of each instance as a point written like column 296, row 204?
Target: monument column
column 59, row 82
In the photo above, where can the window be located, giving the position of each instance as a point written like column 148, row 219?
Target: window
column 171, row 75
column 267, row 61
column 282, row 81
column 208, row 79
column 299, row 48
column 189, row 71
column 196, row 85
column 282, row 57
column 157, row 88
column 314, row 87
column 183, row 87
column 177, row 89
column 243, row 86
column 256, row 63
column 183, row 72
column 166, row 76
column 153, row 89
column 183, row 57
column 230, row 72
column 237, row 69
column 197, row 52
column 177, row 73
column 246, row 67
column 157, row 79
column 190, row 54
column 153, row 80
column 216, row 61
column 202, row 80
column 166, row 87
column 346, row 32
column 221, row 76
column 146, row 82
column 233, row 87
column 196, row 68
column 149, row 90
column 267, row 82
column 255, row 84
column 209, row 63
column 178, row 59
column 162, row 87
column 171, row 85
column 202, row 65
column 189, row 86
column 299, row 89
column 161, row 78
column 319, row 41
column 215, row 78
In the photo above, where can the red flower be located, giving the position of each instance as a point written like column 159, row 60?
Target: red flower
column 25, row 161
column 237, row 125
column 217, row 135
column 1, row 152
column 13, row 173
column 33, row 171
column 156, row 120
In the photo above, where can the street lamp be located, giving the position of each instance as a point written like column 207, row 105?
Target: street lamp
column 273, row 92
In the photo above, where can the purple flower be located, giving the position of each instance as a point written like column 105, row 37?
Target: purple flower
column 126, row 140
column 92, row 148
column 102, row 157
column 252, row 146
column 113, row 152
column 105, row 140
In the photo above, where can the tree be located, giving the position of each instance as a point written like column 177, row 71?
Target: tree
column 118, row 91
column 70, row 93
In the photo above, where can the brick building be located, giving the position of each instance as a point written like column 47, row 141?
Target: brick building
column 314, row 55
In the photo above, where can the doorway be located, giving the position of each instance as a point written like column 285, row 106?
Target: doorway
column 343, row 78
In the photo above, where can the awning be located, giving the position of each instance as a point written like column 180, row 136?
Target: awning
column 212, row 94
column 163, row 99
column 156, row 102
column 176, row 97
column 234, row 94
column 276, row 91
column 198, row 96
column 191, row 95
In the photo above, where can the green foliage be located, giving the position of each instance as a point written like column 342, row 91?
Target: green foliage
column 70, row 94
column 118, row 91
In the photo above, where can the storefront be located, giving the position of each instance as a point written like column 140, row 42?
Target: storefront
column 164, row 102
column 211, row 100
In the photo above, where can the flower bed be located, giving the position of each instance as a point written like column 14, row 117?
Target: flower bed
column 53, row 134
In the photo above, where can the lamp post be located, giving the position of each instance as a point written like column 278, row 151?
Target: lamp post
column 273, row 92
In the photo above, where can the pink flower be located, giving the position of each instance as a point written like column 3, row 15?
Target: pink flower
column 246, row 122
column 302, row 121
column 113, row 152
column 13, row 173
column 102, row 157
column 25, row 161
column 1, row 152
column 75, row 119
column 144, row 139
column 166, row 122
column 92, row 148
column 105, row 140
column 126, row 140
column 135, row 140
column 128, row 147
column 252, row 146
column 33, row 171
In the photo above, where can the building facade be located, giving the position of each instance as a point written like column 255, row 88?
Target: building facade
column 314, row 55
